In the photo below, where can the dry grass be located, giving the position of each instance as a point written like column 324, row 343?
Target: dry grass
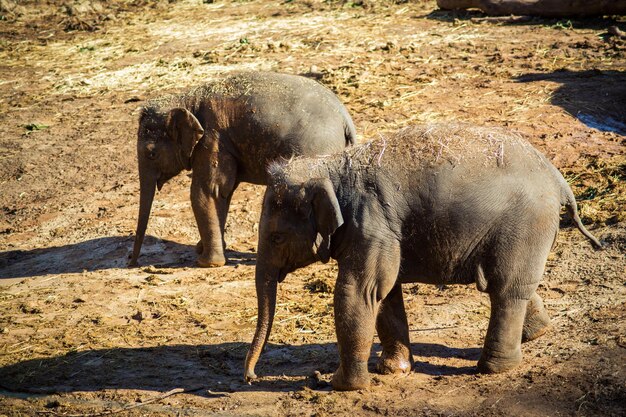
column 600, row 189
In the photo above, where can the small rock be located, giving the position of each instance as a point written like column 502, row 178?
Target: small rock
column 615, row 31
column 137, row 316
column 53, row 404
column 317, row 380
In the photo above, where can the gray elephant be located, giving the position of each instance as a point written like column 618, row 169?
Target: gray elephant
column 441, row 204
column 227, row 132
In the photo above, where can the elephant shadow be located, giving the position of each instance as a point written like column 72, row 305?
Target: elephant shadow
column 208, row 370
column 103, row 253
column 477, row 16
column 596, row 98
column 426, row 351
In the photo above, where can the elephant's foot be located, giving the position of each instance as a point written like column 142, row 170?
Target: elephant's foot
column 211, row 261
column 534, row 333
column 536, row 322
column 535, row 326
column 394, row 364
column 199, row 247
column 496, row 362
column 357, row 377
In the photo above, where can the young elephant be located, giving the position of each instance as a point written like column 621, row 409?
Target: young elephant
column 227, row 132
column 439, row 204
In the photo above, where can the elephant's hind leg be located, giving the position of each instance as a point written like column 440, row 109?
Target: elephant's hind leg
column 393, row 331
column 502, row 350
column 513, row 269
column 537, row 321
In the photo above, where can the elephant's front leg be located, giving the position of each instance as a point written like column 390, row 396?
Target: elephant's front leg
column 212, row 187
column 362, row 283
column 354, row 323
column 207, row 209
column 393, row 331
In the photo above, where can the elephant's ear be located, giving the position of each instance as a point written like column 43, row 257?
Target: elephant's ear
column 327, row 214
column 185, row 130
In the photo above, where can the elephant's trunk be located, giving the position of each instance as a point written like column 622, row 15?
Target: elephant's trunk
column 266, row 285
column 147, row 184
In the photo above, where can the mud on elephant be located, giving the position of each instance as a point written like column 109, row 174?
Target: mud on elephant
column 227, row 132
column 441, row 204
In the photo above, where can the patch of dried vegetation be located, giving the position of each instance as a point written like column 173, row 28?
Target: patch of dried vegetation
column 600, row 189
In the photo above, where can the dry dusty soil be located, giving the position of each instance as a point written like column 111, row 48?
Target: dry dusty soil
column 81, row 334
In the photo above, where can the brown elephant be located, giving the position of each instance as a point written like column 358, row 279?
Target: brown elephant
column 227, row 132
column 440, row 204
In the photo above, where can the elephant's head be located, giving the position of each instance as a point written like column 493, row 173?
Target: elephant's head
column 165, row 143
column 296, row 225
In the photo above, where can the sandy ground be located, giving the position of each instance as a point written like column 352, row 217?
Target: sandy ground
column 82, row 334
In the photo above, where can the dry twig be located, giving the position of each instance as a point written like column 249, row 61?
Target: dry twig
column 132, row 406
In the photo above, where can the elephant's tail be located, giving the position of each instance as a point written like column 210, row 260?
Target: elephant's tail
column 350, row 130
column 569, row 201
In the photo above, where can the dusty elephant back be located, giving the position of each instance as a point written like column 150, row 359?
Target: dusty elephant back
column 427, row 146
column 423, row 148
column 241, row 85
column 245, row 86
column 259, row 89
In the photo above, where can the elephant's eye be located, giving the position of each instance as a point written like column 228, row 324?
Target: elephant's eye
column 277, row 238
column 151, row 153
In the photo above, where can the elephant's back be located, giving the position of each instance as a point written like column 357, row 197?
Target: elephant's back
column 268, row 89
column 460, row 144
column 282, row 116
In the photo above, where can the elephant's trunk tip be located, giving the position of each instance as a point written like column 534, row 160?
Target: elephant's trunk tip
column 249, row 375
column 132, row 263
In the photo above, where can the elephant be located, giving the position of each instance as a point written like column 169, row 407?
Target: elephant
column 438, row 204
column 226, row 132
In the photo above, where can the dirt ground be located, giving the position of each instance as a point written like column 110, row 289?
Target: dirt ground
column 81, row 334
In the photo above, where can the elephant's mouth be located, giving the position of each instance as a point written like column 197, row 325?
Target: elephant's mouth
column 162, row 179
column 160, row 182
column 283, row 273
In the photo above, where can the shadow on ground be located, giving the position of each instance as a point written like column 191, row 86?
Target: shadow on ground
column 596, row 98
column 218, row 368
column 103, row 253
column 564, row 23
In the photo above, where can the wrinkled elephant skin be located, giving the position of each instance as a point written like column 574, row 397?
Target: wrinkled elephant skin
column 440, row 204
column 227, row 132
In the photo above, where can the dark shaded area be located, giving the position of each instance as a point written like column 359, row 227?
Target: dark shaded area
column 218, row 368
column 596, row 98
column 476, row 16
column 433, row 350
column 103, row 253
column 550, row 8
